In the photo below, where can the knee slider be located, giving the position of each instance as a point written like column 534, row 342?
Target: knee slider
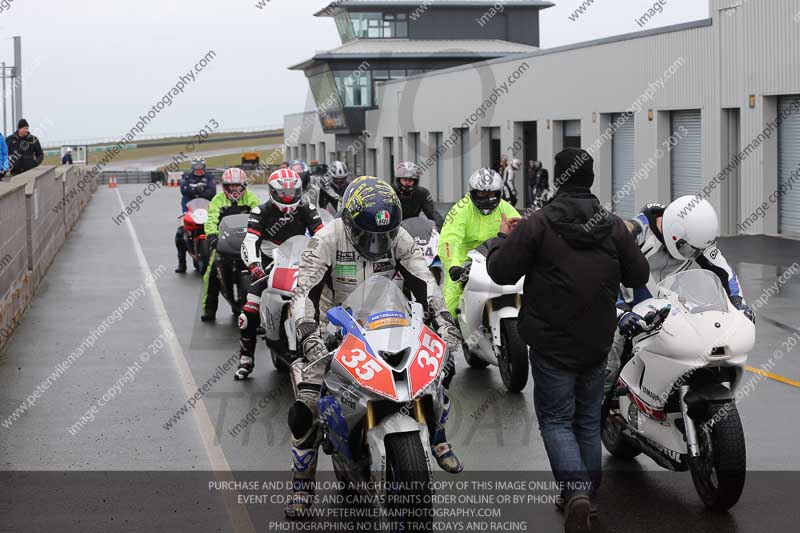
column 301, row 419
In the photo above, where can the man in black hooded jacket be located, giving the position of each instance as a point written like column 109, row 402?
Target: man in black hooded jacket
column 574, row 256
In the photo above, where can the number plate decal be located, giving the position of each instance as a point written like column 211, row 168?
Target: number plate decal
column 366, row 369
column 427, row 362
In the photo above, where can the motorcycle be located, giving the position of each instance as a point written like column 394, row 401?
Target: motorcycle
column 194, row 233
column 426, row 236
column 234, row 278
column 381, row 394
column 488, row 318
column 674, row 399
column 276, row 312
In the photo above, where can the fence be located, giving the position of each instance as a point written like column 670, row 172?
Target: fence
column 49, row 200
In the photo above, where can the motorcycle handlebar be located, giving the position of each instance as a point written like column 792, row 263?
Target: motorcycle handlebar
column 656, row 319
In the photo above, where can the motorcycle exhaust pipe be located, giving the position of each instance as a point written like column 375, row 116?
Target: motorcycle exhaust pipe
column 688, row 424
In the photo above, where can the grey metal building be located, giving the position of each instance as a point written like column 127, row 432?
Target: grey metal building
column 710, row 107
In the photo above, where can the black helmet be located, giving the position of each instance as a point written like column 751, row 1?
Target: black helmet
column 371, row 213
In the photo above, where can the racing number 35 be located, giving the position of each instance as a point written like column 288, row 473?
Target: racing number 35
column 431, row 350
column 365, row 368
column 362, row 364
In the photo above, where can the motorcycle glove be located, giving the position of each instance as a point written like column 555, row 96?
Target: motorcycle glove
column 630, row 324
column 256, row 272
column 460, row 273
column 212, row 241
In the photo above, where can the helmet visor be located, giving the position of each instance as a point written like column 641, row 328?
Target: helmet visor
column 234, row 191
column 286, row 195
column 371, row 245
column 687, row 251
column 485, row 201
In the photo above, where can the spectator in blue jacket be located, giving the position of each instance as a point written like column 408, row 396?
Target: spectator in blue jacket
column 3, row 158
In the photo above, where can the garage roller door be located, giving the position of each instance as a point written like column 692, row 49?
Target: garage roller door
column 789, row 167
column 572, row 128
column 686, row 156
column 623, row 166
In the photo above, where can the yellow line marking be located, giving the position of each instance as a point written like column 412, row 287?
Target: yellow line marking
column 770, row 375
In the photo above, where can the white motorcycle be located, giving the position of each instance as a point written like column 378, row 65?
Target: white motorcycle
column 276, row 312
column 426, row 236
column 488, row 318
column 674, row 400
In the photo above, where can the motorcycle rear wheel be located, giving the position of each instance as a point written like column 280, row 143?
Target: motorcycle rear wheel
column 473, row 360
column 719, row 472
column 407, row 469
column 513, row 356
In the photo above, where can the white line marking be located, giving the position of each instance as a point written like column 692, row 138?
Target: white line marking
column 240, row 518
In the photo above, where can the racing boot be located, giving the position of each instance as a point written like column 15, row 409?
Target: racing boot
column 304, row 460
column 181, row 265
column 246, row 366
column 442, row 450
column 248, row 321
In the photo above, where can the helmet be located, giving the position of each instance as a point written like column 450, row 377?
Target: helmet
column 303, row 171
column 371, row 214
column 407, row 171
column 69, row 150
column 516, row 164
column 485, row 189
column 285, row 189
column 690, row 225
column 338, row 171
column 198, row 166
column 234, row 183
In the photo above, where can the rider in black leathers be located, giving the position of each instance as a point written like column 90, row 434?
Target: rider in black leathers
column 413, row 198
column 333, row 186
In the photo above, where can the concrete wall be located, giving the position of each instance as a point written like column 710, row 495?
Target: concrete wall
column 37, row 211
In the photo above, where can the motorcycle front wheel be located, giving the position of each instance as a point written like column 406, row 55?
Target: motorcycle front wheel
column 720, row 470
column 513, row 356
column 410, row 493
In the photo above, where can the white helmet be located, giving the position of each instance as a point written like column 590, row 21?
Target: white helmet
column 338, row 170
column 485, row 189
column 234, row 183
column 690, row 225
column 516, row 164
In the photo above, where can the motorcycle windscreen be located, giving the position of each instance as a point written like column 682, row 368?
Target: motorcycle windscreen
column 378, row 303
column 288, row 254
column 698, row 291
column 419, row 228
column 199, row 209
column 232, row 230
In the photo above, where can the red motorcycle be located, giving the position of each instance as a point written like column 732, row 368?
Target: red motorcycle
column 194, row 232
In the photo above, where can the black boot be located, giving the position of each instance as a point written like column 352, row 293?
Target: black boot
column 181, row 267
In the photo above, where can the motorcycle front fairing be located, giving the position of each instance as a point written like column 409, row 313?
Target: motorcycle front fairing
column 281, row 285
column 691, row 338
column 481, row 292
column 361, row 380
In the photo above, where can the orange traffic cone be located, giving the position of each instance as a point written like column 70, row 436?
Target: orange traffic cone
column 113, row 182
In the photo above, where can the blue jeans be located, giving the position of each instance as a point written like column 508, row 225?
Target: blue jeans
column 568, row 406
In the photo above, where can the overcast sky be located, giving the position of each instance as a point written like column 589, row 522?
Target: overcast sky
column 91, row 67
